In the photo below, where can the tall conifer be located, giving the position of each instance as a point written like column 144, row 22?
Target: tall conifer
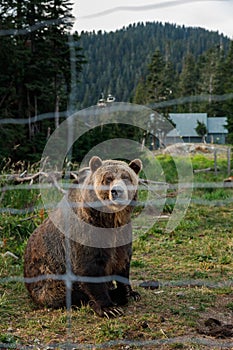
column 37, row 78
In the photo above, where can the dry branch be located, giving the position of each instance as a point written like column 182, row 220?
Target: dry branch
column 205, row 170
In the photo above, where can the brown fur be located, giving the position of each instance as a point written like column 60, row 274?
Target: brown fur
column 229, row 179
column 49, row 250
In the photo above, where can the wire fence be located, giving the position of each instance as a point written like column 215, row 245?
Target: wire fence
column 160, row 194
column 69, row 277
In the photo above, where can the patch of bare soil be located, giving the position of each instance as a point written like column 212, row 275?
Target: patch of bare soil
column 218, row 321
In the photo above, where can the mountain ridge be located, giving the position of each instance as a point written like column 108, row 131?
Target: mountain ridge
column 117, row 60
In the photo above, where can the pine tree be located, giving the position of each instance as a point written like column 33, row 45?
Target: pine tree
column 140, row 93
column 154, row 83
column 216, row 109
column 210, row 79
column 228, row 88
column 188, row 82
column 159, row 86
column 201, row 130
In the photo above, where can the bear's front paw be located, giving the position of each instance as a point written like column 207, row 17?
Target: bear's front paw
column 111, row 312
column 135, row 295
column 108, row 312
column 132, row 294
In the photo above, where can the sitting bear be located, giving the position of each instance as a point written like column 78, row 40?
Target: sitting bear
column 88, row 238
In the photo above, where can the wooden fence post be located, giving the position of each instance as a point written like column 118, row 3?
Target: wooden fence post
column 215, row 162
column 229, row 161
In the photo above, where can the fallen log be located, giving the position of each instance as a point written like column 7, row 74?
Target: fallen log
column 205, row 170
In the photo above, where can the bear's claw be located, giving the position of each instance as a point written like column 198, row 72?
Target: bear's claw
column 108, row 312
column 135, row 295
column 112, row 312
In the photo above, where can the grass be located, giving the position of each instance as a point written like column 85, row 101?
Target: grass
column 193, row 264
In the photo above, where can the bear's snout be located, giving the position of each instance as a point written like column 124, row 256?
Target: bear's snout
column 117, row 192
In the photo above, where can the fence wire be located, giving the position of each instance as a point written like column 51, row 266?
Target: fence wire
column 69, row 277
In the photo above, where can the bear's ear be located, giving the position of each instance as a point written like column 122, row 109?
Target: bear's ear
column 95, row 163
column 136, row 165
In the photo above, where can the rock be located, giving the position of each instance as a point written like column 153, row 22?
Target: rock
column 150, row 285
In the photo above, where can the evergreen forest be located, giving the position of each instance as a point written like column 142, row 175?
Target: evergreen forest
column 47, row 72
column 171, row 68
column 118, row 61
column 35, row 73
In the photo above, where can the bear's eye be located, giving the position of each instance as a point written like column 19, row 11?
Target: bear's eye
column 125, row 177
column 108, row 179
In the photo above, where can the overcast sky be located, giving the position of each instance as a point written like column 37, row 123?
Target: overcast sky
column 114, row 14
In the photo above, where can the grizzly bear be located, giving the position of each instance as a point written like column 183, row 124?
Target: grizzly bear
column 83, row 250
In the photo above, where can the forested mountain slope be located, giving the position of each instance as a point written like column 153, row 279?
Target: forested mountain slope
column 118, row 60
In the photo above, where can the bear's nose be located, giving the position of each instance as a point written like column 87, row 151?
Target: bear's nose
column 117, row 192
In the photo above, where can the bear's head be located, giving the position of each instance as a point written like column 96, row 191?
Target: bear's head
column 114, row 182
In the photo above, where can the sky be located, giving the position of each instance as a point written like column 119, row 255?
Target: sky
column 107, row 15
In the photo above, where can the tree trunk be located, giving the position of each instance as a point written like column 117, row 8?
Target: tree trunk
column 57, row 112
